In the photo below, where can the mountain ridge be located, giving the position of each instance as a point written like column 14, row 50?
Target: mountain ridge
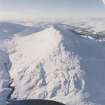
column 57, row 64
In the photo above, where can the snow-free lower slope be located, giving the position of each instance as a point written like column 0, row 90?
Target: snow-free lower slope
column 60, row 65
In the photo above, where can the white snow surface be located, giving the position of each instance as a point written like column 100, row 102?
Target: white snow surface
column 56, row 64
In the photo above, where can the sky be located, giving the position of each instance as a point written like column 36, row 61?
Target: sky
column 30, row 9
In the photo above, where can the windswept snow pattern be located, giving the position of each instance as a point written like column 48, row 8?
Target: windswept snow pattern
column 56, row 63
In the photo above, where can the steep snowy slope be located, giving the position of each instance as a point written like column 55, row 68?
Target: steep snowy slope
column 4, row 77
column 60, row 65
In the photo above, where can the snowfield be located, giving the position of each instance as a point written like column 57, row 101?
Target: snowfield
column 94, row 28
column 52, row 61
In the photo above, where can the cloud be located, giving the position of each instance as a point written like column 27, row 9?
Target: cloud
column 103, row 1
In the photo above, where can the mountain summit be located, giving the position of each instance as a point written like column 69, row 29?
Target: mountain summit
column 58, row 64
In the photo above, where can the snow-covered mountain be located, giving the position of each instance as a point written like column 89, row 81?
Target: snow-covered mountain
column 55, row 63
column 5, row 65
column 94, row 27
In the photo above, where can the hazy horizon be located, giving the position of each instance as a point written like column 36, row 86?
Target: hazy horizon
column 30, row 9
